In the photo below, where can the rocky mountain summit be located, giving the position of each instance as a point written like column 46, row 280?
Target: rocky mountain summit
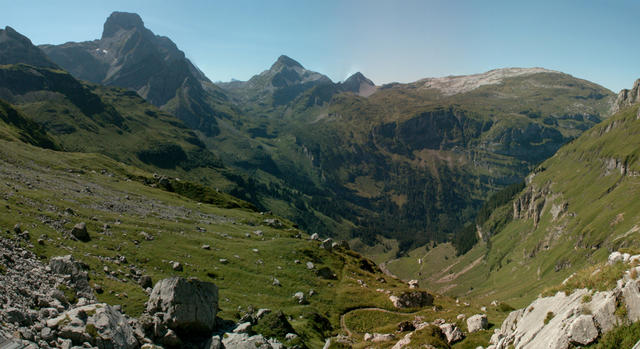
column 130, row 55
column 359, row 84
column 279, row 85
column 17, row 48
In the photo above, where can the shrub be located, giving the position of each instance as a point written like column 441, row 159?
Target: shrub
column 620, row 337
column 504, row 307
column 549, row 317
column 274, row 325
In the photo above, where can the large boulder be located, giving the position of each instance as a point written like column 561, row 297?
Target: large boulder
column 413, row 299
column 99, row 324
column 477, row 323
column 188, row 306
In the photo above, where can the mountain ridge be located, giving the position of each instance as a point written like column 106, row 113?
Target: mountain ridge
column 130, row 55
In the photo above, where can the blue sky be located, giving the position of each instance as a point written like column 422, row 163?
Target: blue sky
column 386, row 40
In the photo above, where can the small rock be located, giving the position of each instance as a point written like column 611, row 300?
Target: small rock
column 177, row 266
column 290, row 336
column 79, row 231
column 214, row 343
column 326, row 244
column 314, row 236
column 206, row 247
column 146, row 281
column 310, row 265
column 300, row 297
column 243, row 328
column 452, row 332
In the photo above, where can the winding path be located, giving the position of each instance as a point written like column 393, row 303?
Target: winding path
column 344, row 327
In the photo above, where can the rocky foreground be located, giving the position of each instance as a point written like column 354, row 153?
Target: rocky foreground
column 577, row 319
column 53, row 306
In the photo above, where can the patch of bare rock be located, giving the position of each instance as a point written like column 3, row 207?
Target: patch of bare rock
column 577, row 319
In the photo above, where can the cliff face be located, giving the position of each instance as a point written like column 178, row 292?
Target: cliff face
column 627, row 97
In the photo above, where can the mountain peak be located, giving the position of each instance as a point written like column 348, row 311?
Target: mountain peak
column 285, row 61
column 17, row 48
column 359, row 84
column 359, row 78
column 121, row 20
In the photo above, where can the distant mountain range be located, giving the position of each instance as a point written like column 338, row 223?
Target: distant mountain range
column 412, row 162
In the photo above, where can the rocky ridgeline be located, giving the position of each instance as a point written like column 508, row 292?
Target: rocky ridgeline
column 563, row 321
column 53, row 306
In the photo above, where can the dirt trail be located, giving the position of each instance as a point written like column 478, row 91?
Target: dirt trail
column 451, row 277
column 348, row 332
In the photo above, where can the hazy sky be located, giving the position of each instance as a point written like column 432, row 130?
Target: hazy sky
column 387, row 41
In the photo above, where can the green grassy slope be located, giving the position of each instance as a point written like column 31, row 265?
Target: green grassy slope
column 408, row 162
column 47, row 192
column 577, row 207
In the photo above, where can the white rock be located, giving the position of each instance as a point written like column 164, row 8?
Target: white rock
column 378, row 337
column 452, row 332
column 582, row 330
column 615, row 257
column 477, row 323
column 242, row 328
column 404, row 341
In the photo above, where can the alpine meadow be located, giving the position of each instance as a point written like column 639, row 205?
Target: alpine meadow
column 146, row 204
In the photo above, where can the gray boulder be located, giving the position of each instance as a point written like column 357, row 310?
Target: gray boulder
column 414, row 299
column 80, row 232
column 244, row 341
column 477, row 323
column 189, row 306
column 452, row 332
column 582, row 330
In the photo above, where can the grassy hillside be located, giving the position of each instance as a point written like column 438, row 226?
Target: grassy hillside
column 137, row 226
column 409, row 162
column 577, row 207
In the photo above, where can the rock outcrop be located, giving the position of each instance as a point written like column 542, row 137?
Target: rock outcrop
column 627, row 97
column 36, row 304
column 101, row 325
column 530, row 203
column 412, row 299
column 579, row 318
